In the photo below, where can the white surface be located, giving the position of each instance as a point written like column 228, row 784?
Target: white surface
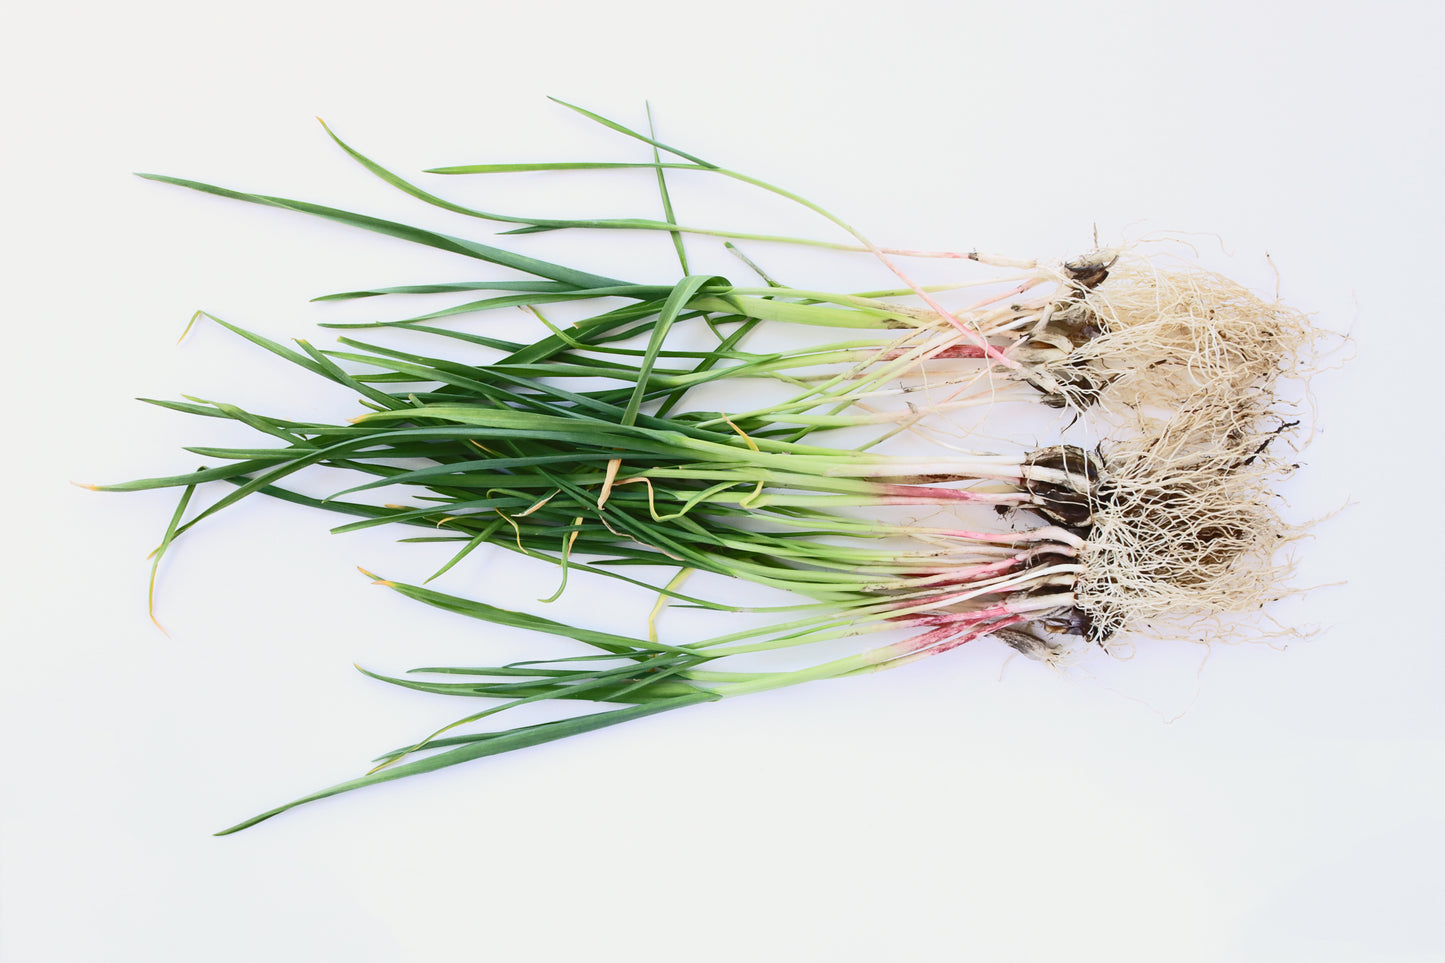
column 953, row 811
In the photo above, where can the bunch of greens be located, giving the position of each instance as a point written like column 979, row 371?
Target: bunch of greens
column 584, row 448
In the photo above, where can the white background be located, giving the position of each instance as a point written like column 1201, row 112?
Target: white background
column 960, row 810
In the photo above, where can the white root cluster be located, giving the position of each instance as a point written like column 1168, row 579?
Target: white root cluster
column 1184, row 522
column 1179, row 337
column 1186, row 525
column 1124, row 332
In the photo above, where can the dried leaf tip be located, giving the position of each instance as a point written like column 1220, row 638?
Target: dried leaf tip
column 376, row 579
column 200, row 313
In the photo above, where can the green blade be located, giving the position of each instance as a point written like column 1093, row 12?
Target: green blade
column 444, row 242
column 605, row 641
column 556, row 166
column 509, row 741
column 612, row 124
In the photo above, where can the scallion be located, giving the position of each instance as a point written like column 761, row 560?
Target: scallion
column 583, row 448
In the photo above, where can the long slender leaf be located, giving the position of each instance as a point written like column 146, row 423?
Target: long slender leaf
column 508, row 741
column 607, row 641
column 416, row 235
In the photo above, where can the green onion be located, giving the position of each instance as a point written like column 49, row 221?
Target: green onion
column 585, row 448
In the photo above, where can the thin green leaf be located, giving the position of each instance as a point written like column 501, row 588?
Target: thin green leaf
column 495, row 744
column 161, row 551
column 607, row 641
column 416, row 235
column 680, row 296
column 667, row 199
column 612, row 124
column 555, row 166
column 541, row 287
